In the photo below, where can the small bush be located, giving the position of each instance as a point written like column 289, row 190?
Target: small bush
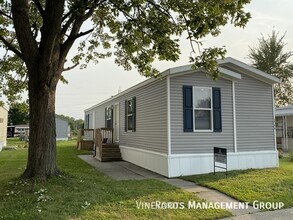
column 280, row 153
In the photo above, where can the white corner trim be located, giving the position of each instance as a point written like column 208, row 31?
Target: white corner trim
column 234, row 116
column 168, row 116
column 274, row 117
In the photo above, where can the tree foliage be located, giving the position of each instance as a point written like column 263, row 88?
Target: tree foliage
column 136, row 32
column 36, row 37
column 270, row 57
column 18, row 113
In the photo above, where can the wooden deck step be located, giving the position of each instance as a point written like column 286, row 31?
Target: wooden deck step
column 110, row 152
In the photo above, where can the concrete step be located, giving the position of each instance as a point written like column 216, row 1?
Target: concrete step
column 111, row 154
column 108, row 159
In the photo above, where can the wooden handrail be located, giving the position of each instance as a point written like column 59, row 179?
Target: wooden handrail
column 107, row 135
column 84, row 135
column 103, row 136
column 98, row 142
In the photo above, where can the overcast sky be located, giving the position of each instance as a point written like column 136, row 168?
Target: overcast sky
column 98, row 82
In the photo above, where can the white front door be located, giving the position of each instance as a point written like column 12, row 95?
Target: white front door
column 116, row 122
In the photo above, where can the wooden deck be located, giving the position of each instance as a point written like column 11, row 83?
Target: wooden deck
column 105, row 149
column 110, row 152
column 85, row 139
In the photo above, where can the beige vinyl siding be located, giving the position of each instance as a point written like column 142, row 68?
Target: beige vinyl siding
column 151, row 117
column 199, row 142
column 254, row 115
column 100, row 116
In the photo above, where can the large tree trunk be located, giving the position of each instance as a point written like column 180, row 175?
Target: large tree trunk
column 44, row 60
column 42, row 139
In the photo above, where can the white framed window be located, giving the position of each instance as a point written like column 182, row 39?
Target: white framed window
column 203, row 109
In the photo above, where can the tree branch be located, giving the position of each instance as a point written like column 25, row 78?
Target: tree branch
column 11, row 47
column 130, row 17
column 51, row 28
column 161, row 9
column 24, row 35
column 40, row 7
column 71, row 67
column 6, row 15
column 65, row 27
column 82, row 33
column 65, row 47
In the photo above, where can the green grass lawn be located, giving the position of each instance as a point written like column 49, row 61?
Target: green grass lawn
column 16, row 142
column 82, row 192
column 265, row 185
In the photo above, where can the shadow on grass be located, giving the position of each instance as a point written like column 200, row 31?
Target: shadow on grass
column 83, row 192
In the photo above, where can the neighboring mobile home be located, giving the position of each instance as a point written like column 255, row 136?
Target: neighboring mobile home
column 3, row 126
column 171, row 125
column 284, row 127
column 62, row 128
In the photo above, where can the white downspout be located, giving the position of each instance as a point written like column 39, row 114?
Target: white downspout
column 234, row 116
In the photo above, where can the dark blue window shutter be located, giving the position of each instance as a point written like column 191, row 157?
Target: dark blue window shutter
column 125, row 114
column 187, row 109
column 134, row 114
column 217, row 112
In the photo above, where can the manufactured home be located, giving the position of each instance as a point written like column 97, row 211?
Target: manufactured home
column 62, row 129
column 284, row 127
column 3, row 126
column 171, row 125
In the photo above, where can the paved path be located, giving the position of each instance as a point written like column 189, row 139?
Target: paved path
column 211, row 196
column 122, row 170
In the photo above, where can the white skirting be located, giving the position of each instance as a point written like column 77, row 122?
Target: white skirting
column 62, row 139
column 190, row 164
column 156, row 162
column 1, row 145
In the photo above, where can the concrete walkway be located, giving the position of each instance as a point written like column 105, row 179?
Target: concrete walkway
column 211, row 196
column 122, row 170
